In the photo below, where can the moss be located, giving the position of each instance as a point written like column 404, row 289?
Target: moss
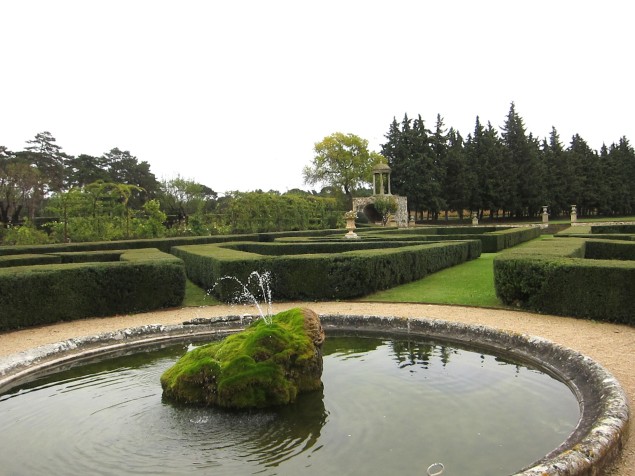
column 266, row 364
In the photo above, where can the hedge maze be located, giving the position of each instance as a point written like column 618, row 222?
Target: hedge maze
column 318, row 271
column 65, row 286
column 571, row 275
column 581, row 276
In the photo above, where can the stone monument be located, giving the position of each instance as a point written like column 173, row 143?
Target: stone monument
column 381, row 187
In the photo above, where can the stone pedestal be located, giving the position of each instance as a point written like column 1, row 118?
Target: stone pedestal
column 545, row 215
column 350, row 224
column 474, row 218
column 574, row 214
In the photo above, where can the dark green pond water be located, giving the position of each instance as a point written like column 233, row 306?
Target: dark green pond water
column 388, row 407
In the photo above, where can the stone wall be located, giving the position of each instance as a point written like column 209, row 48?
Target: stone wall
column 401, row 217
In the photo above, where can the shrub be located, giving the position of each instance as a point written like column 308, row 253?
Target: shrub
column 321, row 275
column 553, row 276
column 25, row 234
column 143, row 280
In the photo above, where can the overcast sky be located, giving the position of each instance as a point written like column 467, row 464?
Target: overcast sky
column 234, row 94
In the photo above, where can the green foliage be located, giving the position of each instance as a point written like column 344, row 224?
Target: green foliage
column 608, row 229
column 386, row 206
column 493, row 239
column 321, row 271
column 28, row 260
column 183, row 198
column 553, row 276
column 342, row 161
column 609, row 250
column 258, row 367
column 466, row 284
column 25, row 234
column 257, row 212
column 413, row 154
column 512, row 174
column 143, row 280
column 153, row 225
column 197, row 297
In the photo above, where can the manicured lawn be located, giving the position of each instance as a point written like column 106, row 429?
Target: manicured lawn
column 195, row 296
column 468, row 284
column 593, row 219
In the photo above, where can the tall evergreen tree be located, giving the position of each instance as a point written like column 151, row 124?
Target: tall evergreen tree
column 124, row 168
column 404, row 152
column 588, row 168
column 618, row 164
column 459, row 178
column 525, row 169
column 85, row 169
column 439, row 148
column 44, row 154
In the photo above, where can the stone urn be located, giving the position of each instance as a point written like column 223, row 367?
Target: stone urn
column 350, row 224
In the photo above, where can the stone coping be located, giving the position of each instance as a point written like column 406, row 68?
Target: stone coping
column 593, row 445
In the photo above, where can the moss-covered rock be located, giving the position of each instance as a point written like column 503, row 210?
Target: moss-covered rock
column 267, row 364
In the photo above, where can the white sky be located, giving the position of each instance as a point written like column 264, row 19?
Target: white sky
column 234, row 94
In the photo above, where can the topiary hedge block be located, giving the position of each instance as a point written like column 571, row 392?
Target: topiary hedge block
column 556, row 277
column 162, row 244
column 609, row 250
column 493, row 239
column 614, row 229
column 42, row 294
column 28, row 260
column 320, row 275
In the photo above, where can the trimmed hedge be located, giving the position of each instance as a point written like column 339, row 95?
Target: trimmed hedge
column 614, row 229
column 314, row 247
column 321, row 276
column 554, row 276
column 28, row 260
column 493, row 239
column 609, row 250
column 141, row 281
column 162, row 244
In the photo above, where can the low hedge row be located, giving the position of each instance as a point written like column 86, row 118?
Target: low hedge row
column 28, row 260
column 493, row 239
column 162, row 244
column 315, row 247
column 40, row 294
column 321, row 276
column 614, row 229
column 609, row 250
column 556, row 277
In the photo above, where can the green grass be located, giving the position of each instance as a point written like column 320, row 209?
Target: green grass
column 467, row 284
column 196, row 297
column 567, row 219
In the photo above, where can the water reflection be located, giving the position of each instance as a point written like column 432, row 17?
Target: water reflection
column 388, row 406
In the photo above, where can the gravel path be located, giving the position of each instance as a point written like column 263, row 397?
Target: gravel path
column 611, row 345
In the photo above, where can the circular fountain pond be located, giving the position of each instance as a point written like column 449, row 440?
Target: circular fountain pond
column 397, row 397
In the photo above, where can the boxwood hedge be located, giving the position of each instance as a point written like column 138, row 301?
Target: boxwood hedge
column 570, row 277
column 493, row 239
column 320, row 273
column 140, row 280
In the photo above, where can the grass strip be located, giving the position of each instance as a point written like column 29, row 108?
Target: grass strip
column 467, row 284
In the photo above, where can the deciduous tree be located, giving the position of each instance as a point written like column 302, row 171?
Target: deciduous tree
column 342, row 161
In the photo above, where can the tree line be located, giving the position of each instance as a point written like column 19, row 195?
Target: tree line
column 506, row 174
column 47, row 196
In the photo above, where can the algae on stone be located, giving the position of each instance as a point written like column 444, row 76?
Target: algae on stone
column 266, row 364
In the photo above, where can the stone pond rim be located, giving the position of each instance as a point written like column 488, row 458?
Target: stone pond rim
column 592, row 447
